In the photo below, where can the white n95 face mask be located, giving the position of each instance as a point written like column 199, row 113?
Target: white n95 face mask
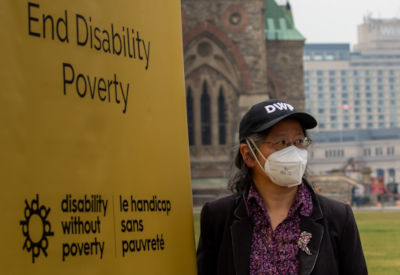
column 284, row 167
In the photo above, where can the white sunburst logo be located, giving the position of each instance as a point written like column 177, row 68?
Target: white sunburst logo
column 36, row 228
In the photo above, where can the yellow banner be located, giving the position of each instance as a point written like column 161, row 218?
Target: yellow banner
column 94, row 158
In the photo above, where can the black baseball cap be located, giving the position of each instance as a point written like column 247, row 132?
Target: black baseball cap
column 266, row 114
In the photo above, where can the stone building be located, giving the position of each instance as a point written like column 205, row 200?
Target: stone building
column 236, row 53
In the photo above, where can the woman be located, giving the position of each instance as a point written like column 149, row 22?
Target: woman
column 275, row 223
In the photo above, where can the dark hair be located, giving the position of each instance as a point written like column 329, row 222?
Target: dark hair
column 241, row 177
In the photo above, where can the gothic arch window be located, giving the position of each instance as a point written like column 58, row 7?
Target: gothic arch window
column 205, row 116
column 221, row 117
column 190, row 116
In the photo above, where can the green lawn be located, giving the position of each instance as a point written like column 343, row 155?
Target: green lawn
column 380, row 237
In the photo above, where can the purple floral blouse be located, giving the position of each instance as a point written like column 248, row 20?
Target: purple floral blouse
column 282, row 241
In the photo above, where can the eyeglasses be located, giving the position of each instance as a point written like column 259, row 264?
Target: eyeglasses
column 302, row 143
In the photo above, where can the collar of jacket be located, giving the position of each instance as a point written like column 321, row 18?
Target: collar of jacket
column 242, row 233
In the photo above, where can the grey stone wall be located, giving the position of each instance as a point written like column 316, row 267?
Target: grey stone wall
column 285, row 71
column 247, row 35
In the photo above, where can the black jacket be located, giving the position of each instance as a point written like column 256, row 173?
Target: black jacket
column 227, row 230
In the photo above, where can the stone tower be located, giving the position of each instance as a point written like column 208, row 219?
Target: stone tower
column 227, row 69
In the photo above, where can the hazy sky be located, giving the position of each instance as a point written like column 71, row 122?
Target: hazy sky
column 336, row 20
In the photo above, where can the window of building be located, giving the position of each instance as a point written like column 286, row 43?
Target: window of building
column 356, row 87
column 381, row 95
column 368, row 95
column 334, row 125
column 221, row 117
column 380, row 72
column 344, row 80
column 391, row 79
column 321, row 110
column 367, row 80
column 367, row 152
column 320, row 88
column 381, row 125
column 392, row 175
column 321, row 125
column 320, row 96
column 357, row 102
column 378, row 151
column 190, row 115
column 370, row 125
column 345, row 95
column 334, row 153
column 355, row 72
column 370, row 117
column 333, row 110
column 205, row 116
column 332, row 73
column 332, row 81
column 368, row 109
column 357, row 95
column 320, row 73
column 381, row 117
column 344, row 88
column 391, row 72
column 390, row 150
column 358, row 125
column 367, row 87
column 333, row 118
column 332, row 88
column 369, row 102
column 318, row 57
column 343, row 72
column 380, row 87
column 345, row 125
column 380, row 174
column 307, row 73
column 320, row 80
column 357, row 110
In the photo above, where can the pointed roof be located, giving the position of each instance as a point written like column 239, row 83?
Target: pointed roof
column 279, row 23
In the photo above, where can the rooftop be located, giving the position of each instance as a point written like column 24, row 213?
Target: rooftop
column 355, row 135
column 279, row 23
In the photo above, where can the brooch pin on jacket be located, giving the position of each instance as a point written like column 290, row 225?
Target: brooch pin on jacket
column 303, row 240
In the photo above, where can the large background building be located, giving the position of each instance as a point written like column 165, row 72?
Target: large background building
column 236, row 53
column 355, row 94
